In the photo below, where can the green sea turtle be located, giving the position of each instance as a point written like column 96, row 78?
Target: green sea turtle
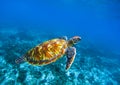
column 51, row 50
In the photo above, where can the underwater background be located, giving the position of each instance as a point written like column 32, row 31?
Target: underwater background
column 27, row 23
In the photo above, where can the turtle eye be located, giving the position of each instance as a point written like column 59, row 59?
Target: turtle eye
column 79, row 38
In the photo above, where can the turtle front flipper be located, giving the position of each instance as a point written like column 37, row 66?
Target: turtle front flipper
column 71, row 53
column 63, row 37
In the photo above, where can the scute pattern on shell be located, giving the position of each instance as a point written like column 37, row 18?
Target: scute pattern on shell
column 47, row 52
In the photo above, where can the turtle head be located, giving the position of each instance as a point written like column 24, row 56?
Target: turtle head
column 74, row 40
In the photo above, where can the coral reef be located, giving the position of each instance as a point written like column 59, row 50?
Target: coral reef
column 91, row 66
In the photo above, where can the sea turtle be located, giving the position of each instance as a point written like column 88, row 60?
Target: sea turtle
column 51, row 50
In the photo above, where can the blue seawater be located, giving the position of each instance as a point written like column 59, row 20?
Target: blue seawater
column 27, row 23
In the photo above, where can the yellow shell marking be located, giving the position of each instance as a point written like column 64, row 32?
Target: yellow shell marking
column 47, row 52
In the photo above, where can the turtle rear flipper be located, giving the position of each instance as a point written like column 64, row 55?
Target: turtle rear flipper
column 20, row 59
column 71, row 52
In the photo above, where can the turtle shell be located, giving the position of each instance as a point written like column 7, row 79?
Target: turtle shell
column 47, row 52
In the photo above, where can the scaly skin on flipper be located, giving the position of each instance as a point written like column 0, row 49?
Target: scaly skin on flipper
column 70, row 53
